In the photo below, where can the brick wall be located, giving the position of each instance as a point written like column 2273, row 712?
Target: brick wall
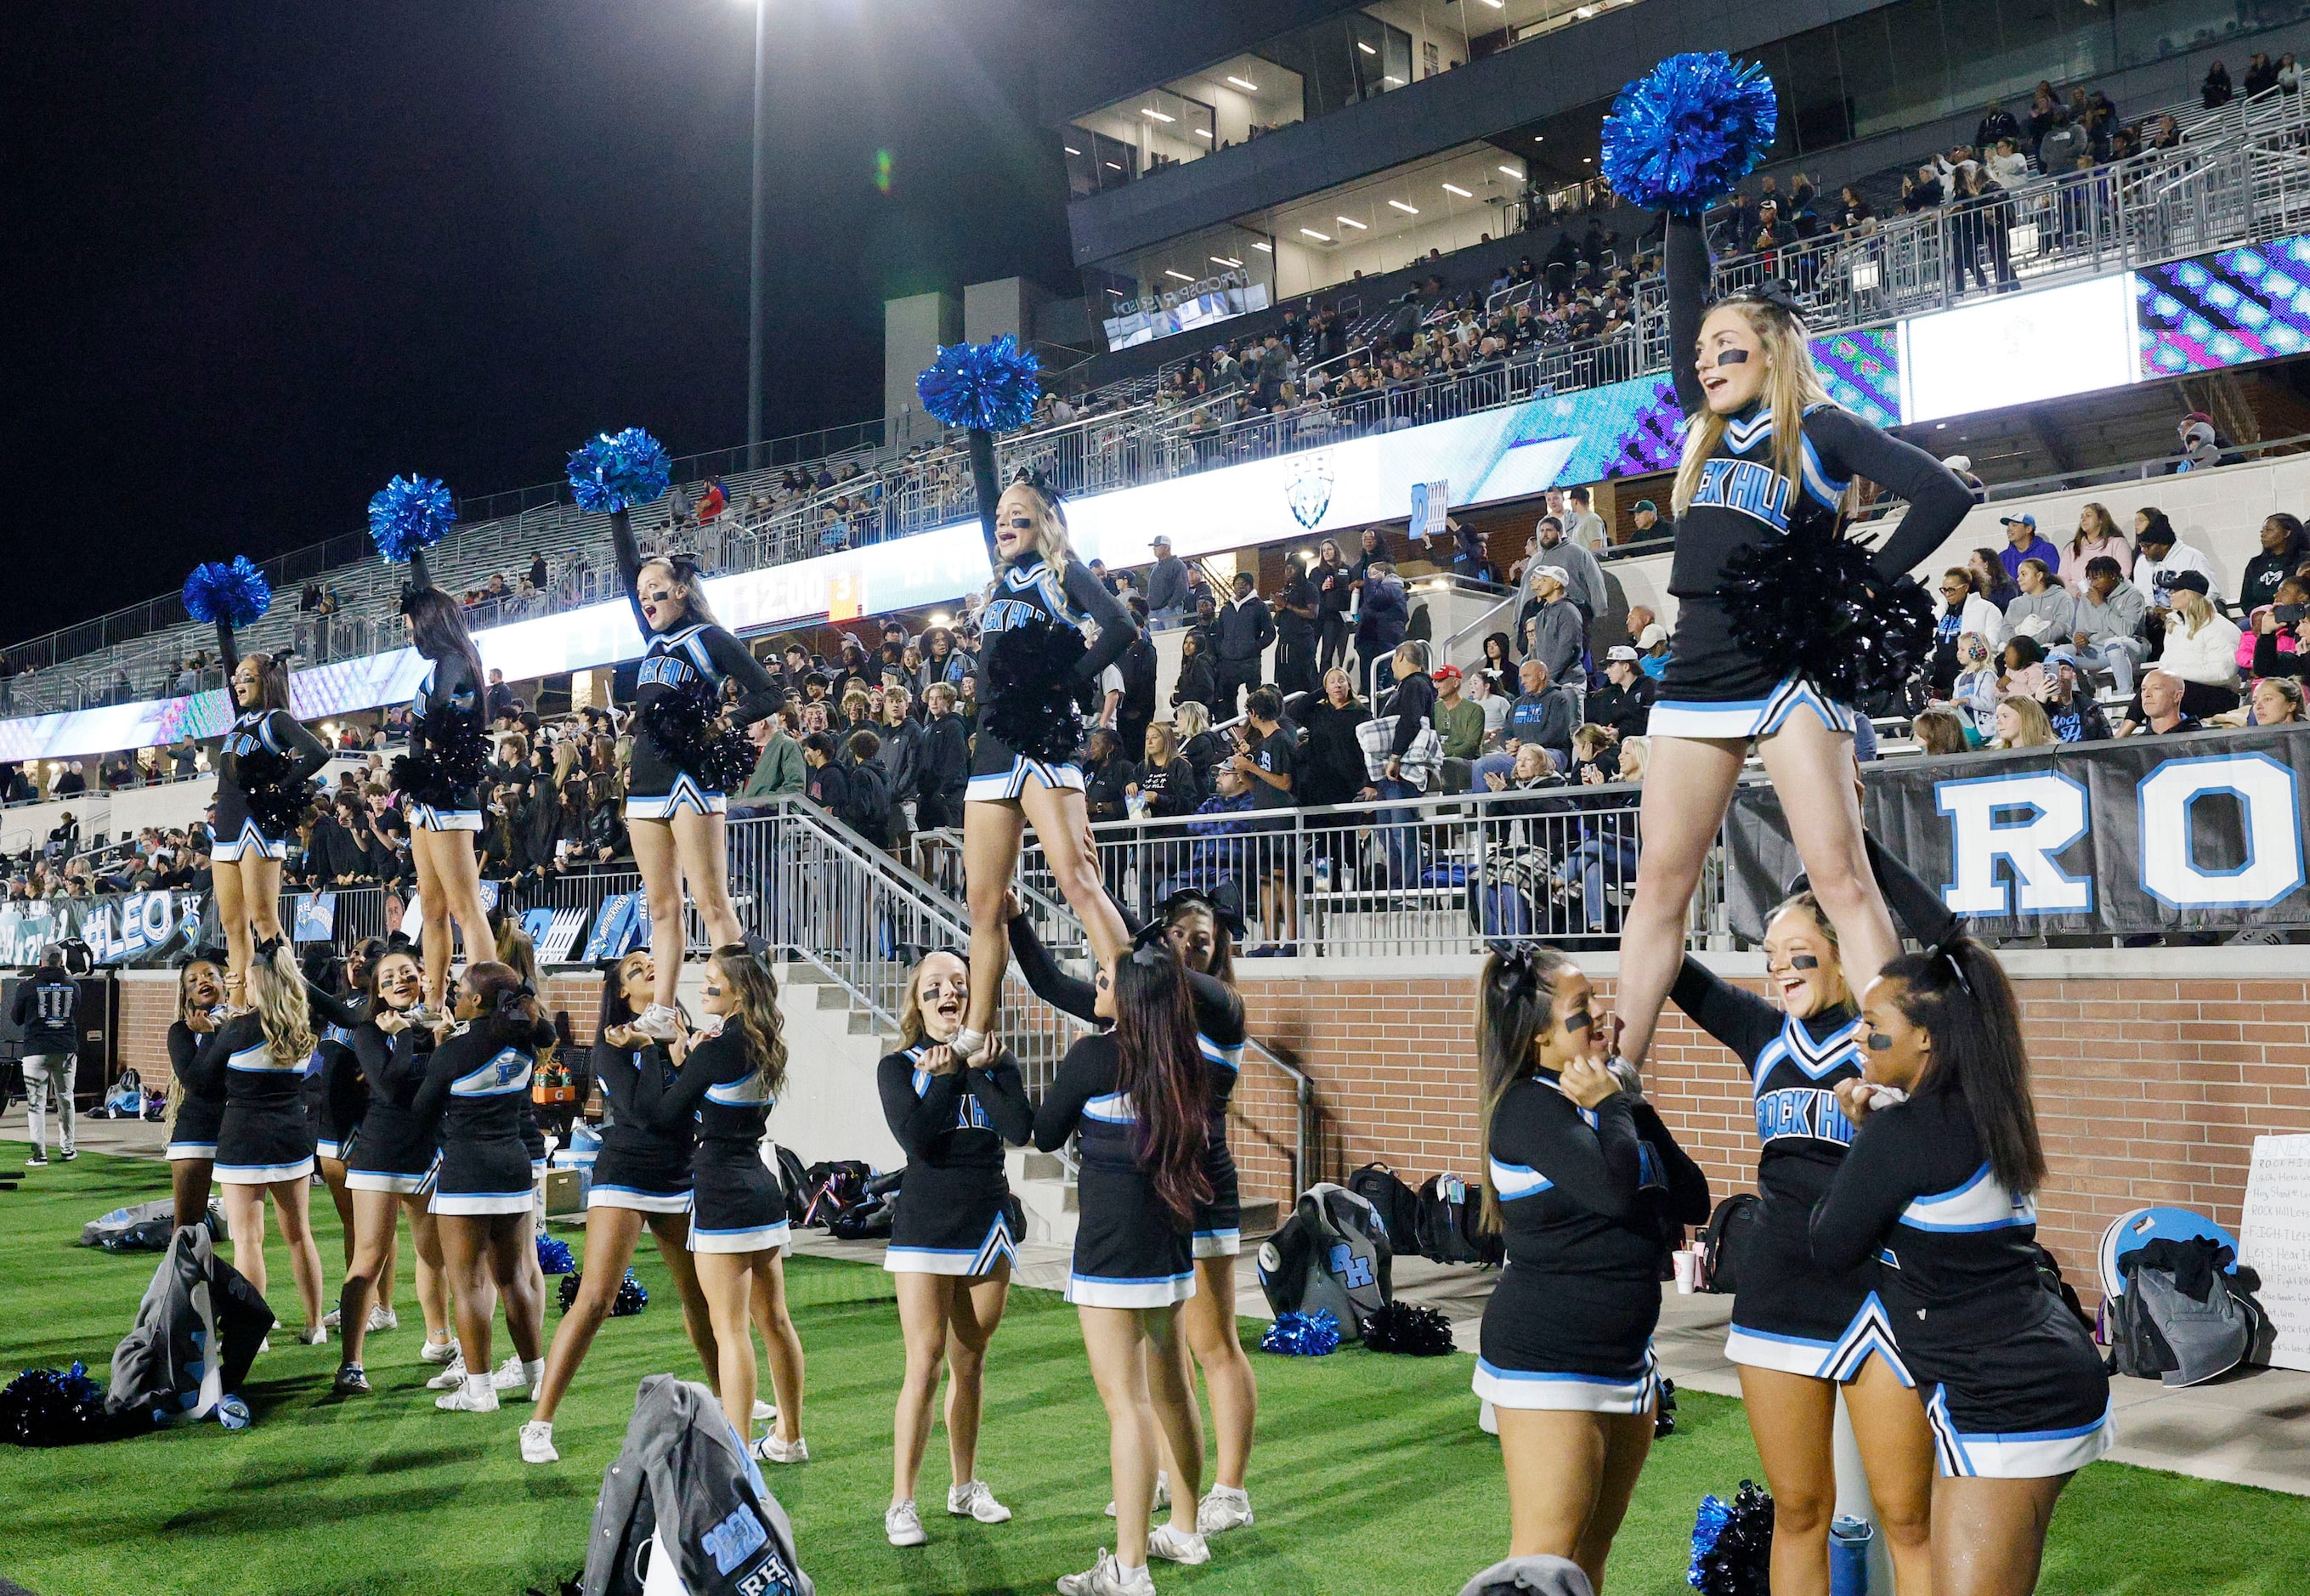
column 2155, row 1069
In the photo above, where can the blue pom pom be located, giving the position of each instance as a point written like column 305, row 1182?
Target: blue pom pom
column 1680, row 136
column 617, row 471
column 237, row 593
column 553, row 1255
column 409, row 514
column 991, row 386
column 1302, row 1335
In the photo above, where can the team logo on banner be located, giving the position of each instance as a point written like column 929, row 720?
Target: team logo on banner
column 1309, row 492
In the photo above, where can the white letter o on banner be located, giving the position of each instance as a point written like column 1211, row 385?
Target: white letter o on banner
column 2265, row 790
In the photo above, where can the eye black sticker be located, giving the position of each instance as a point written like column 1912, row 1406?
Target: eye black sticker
column 1733, row 357
column 1879, row 1042
column 1579, row 1020
column 1804, row 961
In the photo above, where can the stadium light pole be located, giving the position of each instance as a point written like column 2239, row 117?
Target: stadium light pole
column 754, row 266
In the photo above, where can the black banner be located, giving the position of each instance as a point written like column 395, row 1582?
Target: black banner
column 2137, row 835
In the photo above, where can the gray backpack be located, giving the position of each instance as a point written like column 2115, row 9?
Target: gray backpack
column 2184, row 1317
column 1332, row 1253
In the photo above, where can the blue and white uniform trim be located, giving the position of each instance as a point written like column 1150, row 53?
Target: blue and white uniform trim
column 757, row 1238
column 998, row 786
column 685, row 794
column 426, row 817
column 1980, row 1205
column 970, row 1262
column 638, row 1199
column 1568, row 1392
column 406, row 1185
column 2034, row 1455
column 192, row 1151
column 249, row 843
column 468, row 1204
column 1870, row 1335
column 1747, row 717
column 1144, row 1291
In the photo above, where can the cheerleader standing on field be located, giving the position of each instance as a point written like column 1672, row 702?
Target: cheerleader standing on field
column 1768, row 456
column 1203, row 935
column 336, row 1097
column 1800, row 1333
column 675, row 810
column 1038, row 583
column 641, row 1177
column 391, row 1167
column 199, row 1109
column 483, row 1196
column 729, row 1080
column 263, row 1142
column 1940, row 1187
column 1589, row 1187
column 1136, row 1096
column 952, row 1243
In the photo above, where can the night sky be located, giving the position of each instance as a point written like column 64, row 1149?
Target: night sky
column 268, row 254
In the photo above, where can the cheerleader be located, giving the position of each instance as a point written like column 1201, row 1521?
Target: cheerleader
column 1768, row 456
column 1940, row 1187
column 337, row 1096
column 1137, row 1096
column 677, row 815
column 199, row 1108
column 390, row 1166
column 1588, row 1187
column 483, row 1196
column 266, row 753
column 1201, row 934
column 438, row 780
column 1037, row 583
column 263, row 1143
column 952, row 1240
column 729, row 1080
column 1799, row 1334
column 641, row 1177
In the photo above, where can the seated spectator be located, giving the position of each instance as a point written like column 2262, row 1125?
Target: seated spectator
column 2020, row 723
column 1195, row 683
column 1937, row 731
column 2160, row 709
column 1624, row 704
column 1975, row 695
column 1165, row 784
column 2277, row 632
column 2097, row 535
column 2022, row 543
column 1542, row 714
column 1594, row 756
column 2068, row 698
column 1460, row 724
column 2272, row 701
column 1653, row 650
column 2285, row 545
column 2109, row 619
column 1987, row 569
column 2202, row 648
column 2023, row 669
column 2043, row 611
column 2161, row 558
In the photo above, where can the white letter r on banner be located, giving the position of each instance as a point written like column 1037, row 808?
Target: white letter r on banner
column 1978, row 841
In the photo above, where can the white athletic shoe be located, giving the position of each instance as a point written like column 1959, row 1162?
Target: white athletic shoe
column 450, row 1378
column 465, row 1399
column 381, row 1318
column 902, row 1525
column 334, row 1319
column 507, row 1376
column 972, row 1499
column 1176, row 1545
column 434, row 1351
column 658, row 1023
column 1226, row 1508
column 765, row 1412
column 1105, row 1578
column 769, row 1449
column 1163, row 1494
column 537, row 1441
column 318, row 1336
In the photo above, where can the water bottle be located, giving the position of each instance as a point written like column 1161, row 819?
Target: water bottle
column 1848, row 1555
column 233, row 1413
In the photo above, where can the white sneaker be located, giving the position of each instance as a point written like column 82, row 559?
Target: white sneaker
column 450, row 1378
column 434, row 1351
column 333, row 1319
column 1226, row 1508
column 972, row 1499
column 658, row 1023
column 318, row 1336
column 507, row 1376
column 1174, row 1545
column 1105, row 1578
column 902, row 1525
column 765, row 1412
column 769, row 1449
column 382, row 1318
column 465, row 1399
column 537, row 1443
column 1163, row 1494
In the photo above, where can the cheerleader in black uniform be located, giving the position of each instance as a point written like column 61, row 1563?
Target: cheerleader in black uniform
column 199, row 1108
column 1800, row 1333
column 447, row 716
column 337, row 1096
column 954, row 1237
column 250, row 848
column 678, row 817
column 1203, row 935
column 484, row 1199
column 1940, row 1188
column 729, row 1080
column 390, row 1165
column 1037, row 579
column 641, row 1177
column 1767, row 454
column 263, row 1142
column 1589, row 1187
column 1137, row 1097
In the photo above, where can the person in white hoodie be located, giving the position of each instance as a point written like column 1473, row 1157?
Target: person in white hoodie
column 2200, row 648
column 2008, row 167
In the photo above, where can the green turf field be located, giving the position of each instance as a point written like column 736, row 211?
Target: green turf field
column 1371, row 1476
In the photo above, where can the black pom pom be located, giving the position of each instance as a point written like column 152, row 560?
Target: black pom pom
column 569, row 1284
column 686, row 723
column 632, row 1298
column 53, row 1408
column 278, row 805
column 575, row 1585
column 1733, row 1545
column 1811, row 604
column 1031, row 686
column 1410, row 1329
column 1664, row 1414
column 448, row 755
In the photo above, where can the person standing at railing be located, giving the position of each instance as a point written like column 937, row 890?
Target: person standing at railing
column 1762, row 498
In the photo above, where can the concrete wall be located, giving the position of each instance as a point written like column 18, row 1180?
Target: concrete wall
column 913, row 328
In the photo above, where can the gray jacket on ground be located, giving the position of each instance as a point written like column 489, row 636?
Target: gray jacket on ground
column 2121, row 617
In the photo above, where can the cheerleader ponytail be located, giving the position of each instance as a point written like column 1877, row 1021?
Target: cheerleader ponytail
column 750, row 980
column 1957, row 992
column 281, row 1007
column 1161, row 1069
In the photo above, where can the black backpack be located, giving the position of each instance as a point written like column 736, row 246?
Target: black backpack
column 795, row 1180
column 2183, row 1318
column 832, row 1186
column 1397, row 1204
column 1331, row 1254
column 1725, row 1238
column 870, row 1216
column 1447, row 1223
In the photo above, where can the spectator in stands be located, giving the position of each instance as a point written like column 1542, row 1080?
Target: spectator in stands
column 2069, row 707
column 2162, row 557
column 901, row 759
column 1241, row 635
column 2215, row 89
column 1937, row 731
column 2097, row 535
column 2275, row 701
column 1544, row 714
column 2109, row 621
column 1335, row 582
column 2045, row 611
column 945, row 762
column 1652, row 649
column 1974, row 693
column 778, row 768
column 2064, row 141
column 828, row 784
column 2280, row 631
column 1195, row 683
column 2022, row 543
column 499, row 701
column 2202, row 646
column 1581, row 523
column 2160, row 711
column 1138, row 668
column 1554, row 631
column 1996, row 122
column 1624, row 704
column 2284, row 547
column 72, row 784
column 2020, row 723
column 1107, row 777
column 1166, row 782
column 1332, row 764
column 1385, row 616
column 1583, row 577
column 1644, row 520
column 1460, row 725
column 1167, row 582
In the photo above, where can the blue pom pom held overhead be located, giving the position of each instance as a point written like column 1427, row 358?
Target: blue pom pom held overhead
column 617, row 471
column 988, row 388
column 409, row 514
column 235, row 593
column 1680, row 136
